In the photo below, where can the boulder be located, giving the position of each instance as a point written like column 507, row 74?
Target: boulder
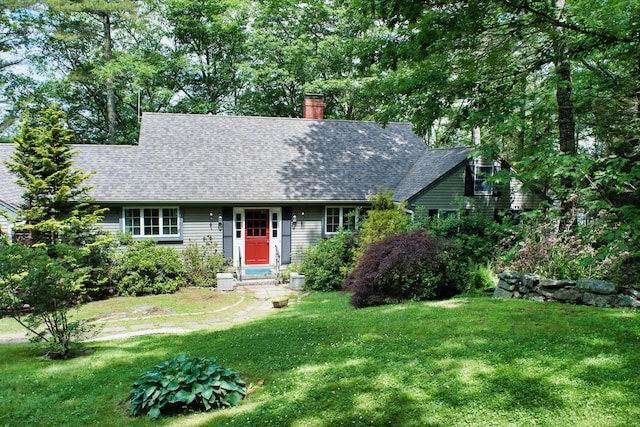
column 534, row 296
column 597, row 287
column 530, row 280
column 524, row 290
column 628, row 301
column 553, row 283
column 634, row 292
column 569, row 294
column 502, row 293
column 509, row 275
column 507, row 286
column 599, row 300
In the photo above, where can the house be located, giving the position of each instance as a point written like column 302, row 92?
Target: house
column 264, row 189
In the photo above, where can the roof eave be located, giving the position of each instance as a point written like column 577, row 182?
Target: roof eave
column 233, row 202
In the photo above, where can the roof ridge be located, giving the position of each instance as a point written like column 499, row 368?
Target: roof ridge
column 150, row 113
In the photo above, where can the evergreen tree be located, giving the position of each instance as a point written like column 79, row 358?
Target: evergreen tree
column 62, row 249
column 56, row 206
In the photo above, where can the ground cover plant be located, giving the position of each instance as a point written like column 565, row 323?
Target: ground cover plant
column 465, row 361
column 183, row 384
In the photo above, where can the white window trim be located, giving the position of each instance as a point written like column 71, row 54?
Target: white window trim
column 476, row 172
column 341, row 219
column 161, row 236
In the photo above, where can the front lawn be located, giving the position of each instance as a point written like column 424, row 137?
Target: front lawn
column 461, row 362
column 187, row 305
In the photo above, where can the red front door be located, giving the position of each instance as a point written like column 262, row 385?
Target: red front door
column 256, row 246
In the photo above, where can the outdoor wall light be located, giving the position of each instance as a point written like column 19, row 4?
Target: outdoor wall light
column 294, row 220
column 210, row 220
column 219, row 222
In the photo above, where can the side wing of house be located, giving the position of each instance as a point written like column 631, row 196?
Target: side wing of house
column 454, row 193
column 464, row 186
column 5, row 224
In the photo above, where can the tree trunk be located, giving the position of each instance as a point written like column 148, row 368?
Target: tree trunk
column 111, row 93
column 564, row 98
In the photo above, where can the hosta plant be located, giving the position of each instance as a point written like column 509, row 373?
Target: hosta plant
column 183, row 384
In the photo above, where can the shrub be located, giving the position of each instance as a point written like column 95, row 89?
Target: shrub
column 185, row 384
column 542, row 247
column 477, row 241
column 145, row 268
column 38, row 289
column 384, row 219
column 478, row 237
column 408, row 266
column 327, row 263
column 481, row 277
column 627, row 271
column 203, row 262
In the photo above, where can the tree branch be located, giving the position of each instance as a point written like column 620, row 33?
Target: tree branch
column 611, row 38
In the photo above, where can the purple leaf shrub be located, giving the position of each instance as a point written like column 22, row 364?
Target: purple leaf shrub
column 406, row 266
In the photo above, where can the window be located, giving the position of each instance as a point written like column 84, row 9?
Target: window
column 152, row 222
column 336, row 218
column 447, row 214
column 274, row 224
column 238, row 225
column 480, row 184
column 442, row 213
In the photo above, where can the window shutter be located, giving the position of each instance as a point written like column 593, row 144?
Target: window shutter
column 287, row 212
column 468, row 181
column 227, row 232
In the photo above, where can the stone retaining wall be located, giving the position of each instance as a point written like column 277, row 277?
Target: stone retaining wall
column 597, row 293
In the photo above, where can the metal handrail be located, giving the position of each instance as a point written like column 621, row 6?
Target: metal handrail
column 239, row 265
column 277, row 261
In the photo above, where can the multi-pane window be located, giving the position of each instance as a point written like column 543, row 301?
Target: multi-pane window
column 257, row 223
column 132, row 221
column 336, row 218
column 480, row 185
column 170, row 221
column 152, row 222
column 274, row 224
column 333, row 220
column 238, row 225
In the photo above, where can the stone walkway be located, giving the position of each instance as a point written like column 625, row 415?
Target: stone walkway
column 257, row 294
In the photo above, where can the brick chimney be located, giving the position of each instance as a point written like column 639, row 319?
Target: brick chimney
column 313, row 106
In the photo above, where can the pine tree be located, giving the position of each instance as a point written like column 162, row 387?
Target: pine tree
column 56, row 206
column 62, row 252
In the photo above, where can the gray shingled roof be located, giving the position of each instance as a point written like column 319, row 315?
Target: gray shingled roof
column 432, row 165
column 192, row 158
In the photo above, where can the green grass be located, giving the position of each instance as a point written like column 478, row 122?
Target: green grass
column 125, row 312
column 463, row 362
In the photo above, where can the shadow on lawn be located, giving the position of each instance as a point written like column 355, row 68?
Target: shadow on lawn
column 325, row 364
column 332, row 370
